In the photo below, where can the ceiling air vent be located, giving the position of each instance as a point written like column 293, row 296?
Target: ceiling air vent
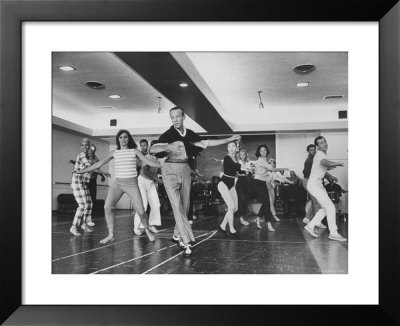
column 106, row 108
column 113, row 122
column 342, row 114
column 94, row 84
column 304, row 69
column 333, row 97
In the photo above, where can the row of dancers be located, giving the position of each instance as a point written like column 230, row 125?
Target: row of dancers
column 178, row 147
column 257, row 177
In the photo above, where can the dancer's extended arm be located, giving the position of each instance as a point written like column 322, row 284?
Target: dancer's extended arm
column 146, row 160
column 99, row 164
column 330, row 164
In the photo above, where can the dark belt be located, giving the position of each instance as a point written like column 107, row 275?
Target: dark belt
column 229, row 176
column 175, row 161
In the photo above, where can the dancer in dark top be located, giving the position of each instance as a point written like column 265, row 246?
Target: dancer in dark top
column 181, row 146
column 226, row 186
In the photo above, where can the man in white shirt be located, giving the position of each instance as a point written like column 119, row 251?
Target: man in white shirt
column 315, row 187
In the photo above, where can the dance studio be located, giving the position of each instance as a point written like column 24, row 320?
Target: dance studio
column 200, row 163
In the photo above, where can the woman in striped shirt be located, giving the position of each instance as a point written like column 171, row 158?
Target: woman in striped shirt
column 125, row 181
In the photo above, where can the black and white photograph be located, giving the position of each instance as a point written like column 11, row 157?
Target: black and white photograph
column 200, row 162
column 176, row 163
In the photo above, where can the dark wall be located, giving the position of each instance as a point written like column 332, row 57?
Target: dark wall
column 208, row 167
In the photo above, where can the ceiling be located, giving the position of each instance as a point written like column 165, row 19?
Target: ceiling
column 222, row 96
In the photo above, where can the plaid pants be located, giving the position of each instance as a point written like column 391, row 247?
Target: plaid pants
column 84, row 200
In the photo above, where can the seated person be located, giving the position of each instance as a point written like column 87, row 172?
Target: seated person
column 335, row 191
column 294, row 195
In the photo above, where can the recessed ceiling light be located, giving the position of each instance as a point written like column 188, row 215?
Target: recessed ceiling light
column 94, row 84
column 66, row 68
column 303, row 84
column 304, row 69
column 114, row 96
column 183, row 85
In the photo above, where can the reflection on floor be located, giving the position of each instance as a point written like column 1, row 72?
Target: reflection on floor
column 289, row 250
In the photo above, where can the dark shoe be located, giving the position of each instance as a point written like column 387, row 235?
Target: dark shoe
column 222, row 230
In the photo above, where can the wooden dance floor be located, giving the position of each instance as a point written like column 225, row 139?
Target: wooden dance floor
column 289, row 250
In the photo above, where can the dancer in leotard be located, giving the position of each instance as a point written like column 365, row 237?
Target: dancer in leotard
column 125, row 181
column 226, row 186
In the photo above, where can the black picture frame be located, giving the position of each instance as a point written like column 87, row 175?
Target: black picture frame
column 13, row 13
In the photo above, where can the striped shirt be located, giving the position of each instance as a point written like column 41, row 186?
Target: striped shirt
column 125, row 163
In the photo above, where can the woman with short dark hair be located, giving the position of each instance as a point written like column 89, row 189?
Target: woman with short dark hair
column 259, row 186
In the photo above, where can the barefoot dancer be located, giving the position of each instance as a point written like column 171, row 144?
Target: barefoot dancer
column 125, row 181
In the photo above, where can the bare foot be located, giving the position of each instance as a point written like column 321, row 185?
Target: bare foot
column 150, row 235
column 109, row 238
column 270, row 227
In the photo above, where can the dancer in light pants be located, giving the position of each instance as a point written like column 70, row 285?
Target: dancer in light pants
column 149, row 194
column 315, row 187
column 314, row 207
column 181, row 146
column 148, row 186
